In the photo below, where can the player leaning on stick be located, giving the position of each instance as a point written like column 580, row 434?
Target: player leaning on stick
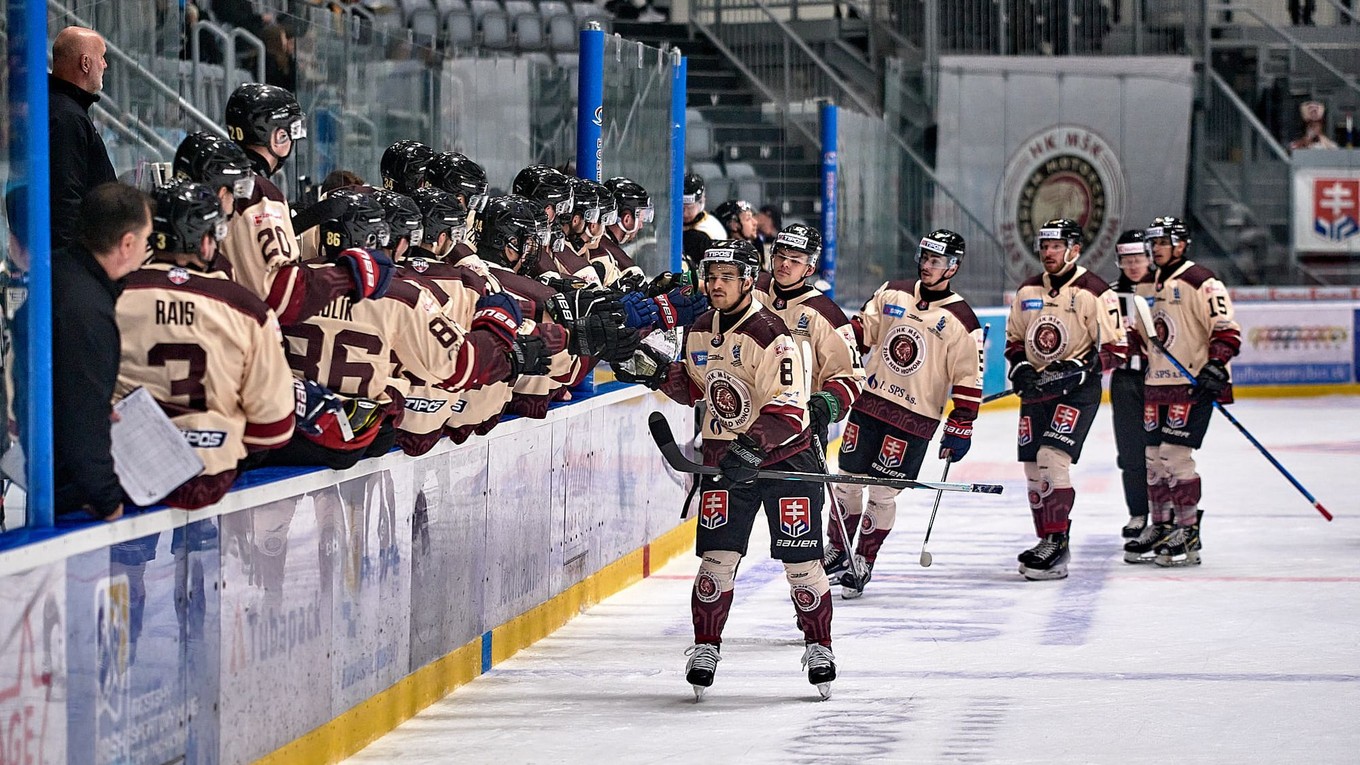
column 741, row 360
column 1193, row 317
column 923, row 346
column 1063, row 331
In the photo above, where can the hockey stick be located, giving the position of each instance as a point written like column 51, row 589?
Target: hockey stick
column 1150, row 332
column 1047, row 378
column 926, row 557
column 840, row 511
column 665, row 441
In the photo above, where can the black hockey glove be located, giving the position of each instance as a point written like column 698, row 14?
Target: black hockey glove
column 823, row 409
column 528, row 356
column 605, row 337
column 1061, row 377
column 1024, row 380
column 663, row 283
column 1211, row 381
column 647, row 366
column 741, row 462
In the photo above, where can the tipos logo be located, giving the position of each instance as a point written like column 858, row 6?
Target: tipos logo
column 1065, row 171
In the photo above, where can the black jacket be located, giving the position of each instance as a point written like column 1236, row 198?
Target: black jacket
column 86, row 347
column 79, row 160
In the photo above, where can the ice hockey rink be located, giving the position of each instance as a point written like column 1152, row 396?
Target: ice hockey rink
column 1252, row 657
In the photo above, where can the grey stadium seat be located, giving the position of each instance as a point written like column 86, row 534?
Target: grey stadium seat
column 460, row 30
column 698, row 135
column 493, row 24
column 562, row 37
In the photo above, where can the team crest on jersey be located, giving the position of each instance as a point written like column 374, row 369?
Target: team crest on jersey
column 1177, row 415
column 1026, row 434
column 729, row 399
column 1149, row 417
column 793, row 516
column 891, row 453
column 893, row 310
column 736, row 355
column 713, row 509
column 804, row 321
column 1048, row 337
column 904, row 349
column 1165, row 327
column 850, row 438
column 177, row 275
column 1064, row 419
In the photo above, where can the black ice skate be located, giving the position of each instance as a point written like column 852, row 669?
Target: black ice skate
column 1135, row 526
column 836, row 560
column 1143, row 549
column 821, row 667
column 1046, row 560
column 702, row 665
column 852, row 583
column 1180, row 548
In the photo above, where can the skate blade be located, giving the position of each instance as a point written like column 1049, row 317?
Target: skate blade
column 849, row 594
column 1043, row 574
column 1178, row 561
column 1133, row 557
column 825, row 690
column 698, row 693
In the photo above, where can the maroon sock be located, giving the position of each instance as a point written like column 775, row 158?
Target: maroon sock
column 1052, row 517
column 870, row 542
column 1159, row 501
column 1185, row 496
column 814, row 615
column 833, row 531
column 710, row 614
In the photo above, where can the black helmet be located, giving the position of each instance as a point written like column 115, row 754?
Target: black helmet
column 942, row 242
column 1167, row 226
column 457, row 174
column 738, row 252
column 507, row 221
column 629, row 196
column 210, row 159
column 589, row 198
column 800, row 237
column 1065, row 229
column 694, row 188
column 361, row 224
column 403, row 166
column 402, row 216
column 441, row 212
column 1130, row 243
column 255, row 111
column 184, row 212
column 544, row 186
column 731, row 210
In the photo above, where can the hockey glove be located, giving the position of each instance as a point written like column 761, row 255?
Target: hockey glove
column 1024, row 380
column 604, row 336
column 741, row 462
column 663, row 283
column 311, row 402
column 648, row 366
column 958, row 436
column 499, row 314
column 823, row 409
column 1061, row 377
column 1211, row 381
column 528, row 356
column 370, row 269
column 680, row 307
column 639, row 311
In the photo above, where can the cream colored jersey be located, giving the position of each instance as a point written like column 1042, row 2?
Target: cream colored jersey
column 815, row 321
column 709, row 225
column 210, row 353
column 750, row 372
column 1192, row 313
column 921, row 352
column 1065, row 318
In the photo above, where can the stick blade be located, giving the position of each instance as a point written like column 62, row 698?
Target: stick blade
column 926, row 559
column 661, row 429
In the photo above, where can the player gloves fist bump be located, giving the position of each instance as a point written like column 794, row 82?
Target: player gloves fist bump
column 370, row 269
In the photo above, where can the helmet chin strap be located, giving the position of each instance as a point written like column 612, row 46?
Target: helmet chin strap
column 1068, row 258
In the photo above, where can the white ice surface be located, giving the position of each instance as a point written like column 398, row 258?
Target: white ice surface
column 1253, row 657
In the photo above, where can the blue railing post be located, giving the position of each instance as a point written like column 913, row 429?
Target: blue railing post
column 590, row 110
column 679, row 81
column 829, row 185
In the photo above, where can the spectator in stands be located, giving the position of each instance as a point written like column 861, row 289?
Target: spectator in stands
column 280, row 62
column 1314, row 136
column 79, row 160
column 113, row 223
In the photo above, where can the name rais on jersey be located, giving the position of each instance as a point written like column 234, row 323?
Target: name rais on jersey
column 177, row 312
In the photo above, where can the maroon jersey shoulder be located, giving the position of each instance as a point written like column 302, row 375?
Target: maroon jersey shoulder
column 524, row 288
column 1195, row 275
column 902, row 285
column 764, row 327
column 764, row 282
column 964, row 313
column 224, row 291
column 1092, row 283
column 404, row 291
column 828, row 309
column 705, row 321
column 1033, row 281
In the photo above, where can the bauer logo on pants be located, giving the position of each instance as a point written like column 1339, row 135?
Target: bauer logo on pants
column 1149, row 417
column 793, row 516
column 1065, row 419
column 1177, row 415
column 713, row 509
column 1026, row 435
column 850, row 439
column 890, row 456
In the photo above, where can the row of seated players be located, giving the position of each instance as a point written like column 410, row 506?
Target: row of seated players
column 376, row 316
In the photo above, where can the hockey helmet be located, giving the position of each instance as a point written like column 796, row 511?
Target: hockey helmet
column 1130, row 243
column 457, row 174
column 403, row 217
column 441, row 213
column 545, row 186
column 737, row 252
column 1169, row 227
column 693, row 189
column 508, row 221
column 255, row 111
column 210, row 159
column 403, row 166
column 1066, row 229
column 629, row 196
column 362, row 222
column 185, row 211
column 801, row 238
column 941, row 242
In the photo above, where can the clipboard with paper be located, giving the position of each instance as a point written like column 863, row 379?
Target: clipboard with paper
column 150, row 454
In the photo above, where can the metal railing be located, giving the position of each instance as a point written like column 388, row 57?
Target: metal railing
column 1295, row 47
